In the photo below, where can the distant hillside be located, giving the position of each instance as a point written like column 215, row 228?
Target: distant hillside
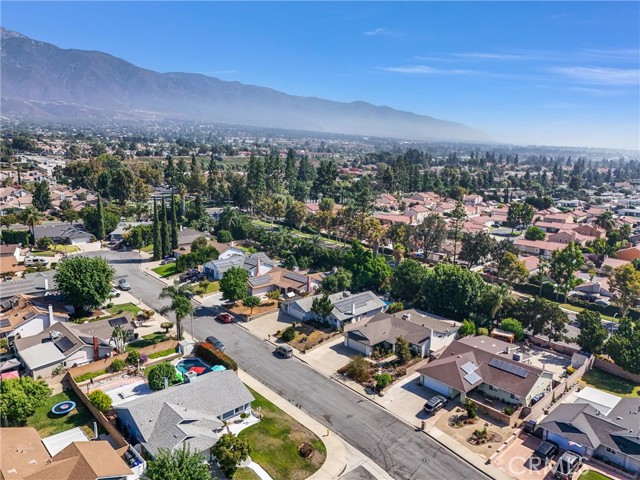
column 42, row 81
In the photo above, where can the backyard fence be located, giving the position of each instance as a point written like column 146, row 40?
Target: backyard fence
column 614, row 369
column 563, row 348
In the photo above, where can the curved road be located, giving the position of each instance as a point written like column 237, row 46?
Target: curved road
column 405, row 453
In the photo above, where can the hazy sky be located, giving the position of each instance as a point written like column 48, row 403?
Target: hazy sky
column 544, row 73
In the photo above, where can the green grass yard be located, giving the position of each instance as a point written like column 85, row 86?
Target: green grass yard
column 610, row 383
column 125, row 307
column 166, row 270
column 211, row 287
column 244, row 473
column 573, row 308
column 148, row 249
column 275, row 440
column 48, row 424
column 150, row 339
column 593, row 475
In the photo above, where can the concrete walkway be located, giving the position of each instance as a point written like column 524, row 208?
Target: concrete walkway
column 341, row 457
column 261, row 472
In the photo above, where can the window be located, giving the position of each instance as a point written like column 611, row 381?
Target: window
column 238, row 410
column 492, row 388
column 610, row 450
column 514, row 397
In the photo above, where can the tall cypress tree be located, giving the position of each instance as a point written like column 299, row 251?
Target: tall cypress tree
column 164, row 231
column 174, row 223
column 157, row 239
column 101, row 233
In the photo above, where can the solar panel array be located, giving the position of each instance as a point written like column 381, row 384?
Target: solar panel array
column 509, row 367
column 114, row 322
column 469, row 367
column 30, row 315
column 472, row 378
column 5, row 323
column 63, row 344
column 261, row 280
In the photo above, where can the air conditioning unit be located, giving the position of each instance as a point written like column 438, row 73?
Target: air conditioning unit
column 517, row 357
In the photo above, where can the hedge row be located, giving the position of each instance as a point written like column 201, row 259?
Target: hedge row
column 213, row 356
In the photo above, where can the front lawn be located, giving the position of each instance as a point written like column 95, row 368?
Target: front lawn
column 264, row 307
column 42, row 253
column 275, row 441
column 166, row 270
column 308, row 337
column 148, row 249
column 150, row 339
column 64, row 248
column 245, row 473
column 48, row 424
column 593, row 475
column 211, row 287
column 125, row 307
column 602, row 380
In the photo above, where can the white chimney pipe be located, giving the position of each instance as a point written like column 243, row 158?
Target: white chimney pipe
column 52, row 319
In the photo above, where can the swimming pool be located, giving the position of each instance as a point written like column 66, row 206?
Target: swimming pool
column 183, row 366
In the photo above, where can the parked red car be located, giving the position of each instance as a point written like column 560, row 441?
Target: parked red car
column 224, row 318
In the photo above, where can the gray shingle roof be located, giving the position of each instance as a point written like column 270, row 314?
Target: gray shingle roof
column 383, row 327
column 199, row 404
column 355, row 305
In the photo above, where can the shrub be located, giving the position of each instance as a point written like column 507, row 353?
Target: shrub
column 483, row 331
column 158, row 373
column 89, row 376
column 508, row 410
column 467, row 328
column 167, row 326
column 471, row 407
column 117, row 365
column 133, row 358
column 289, row 334
column 396, row 307
column 570, row 370
column 100, row 400
column 358, row 370
column 224, row 236
column 213, row 356
column 382, row 381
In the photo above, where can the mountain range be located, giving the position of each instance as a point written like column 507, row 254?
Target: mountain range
column 40, row 81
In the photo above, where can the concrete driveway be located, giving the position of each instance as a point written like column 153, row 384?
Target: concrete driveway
column 330, row 356
column 517, row 460
column 267, row 326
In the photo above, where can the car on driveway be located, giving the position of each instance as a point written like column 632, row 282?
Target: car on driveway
column 224, row 318
column 545, row 452
column 435, row 403
column 123, row 284
column 168, row 260
column 216, row 343
column 188, row 275
column 114, row 293
column 568, row 464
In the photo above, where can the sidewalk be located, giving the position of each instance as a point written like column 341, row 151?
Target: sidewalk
column 340, row 456
column 460, row 450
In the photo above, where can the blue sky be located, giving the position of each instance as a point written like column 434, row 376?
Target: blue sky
column 543, row 73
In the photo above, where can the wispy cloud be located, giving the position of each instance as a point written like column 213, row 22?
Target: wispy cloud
column 491, row 56
column 377, row 31
column 425, row 70
column 600, row 75
column 597, row 92
column 611, row 54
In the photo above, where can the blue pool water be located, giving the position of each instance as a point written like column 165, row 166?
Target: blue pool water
column 183, row 366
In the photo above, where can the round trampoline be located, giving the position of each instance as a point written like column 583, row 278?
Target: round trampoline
column 63, row 408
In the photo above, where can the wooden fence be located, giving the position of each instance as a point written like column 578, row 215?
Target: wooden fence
column 103, row 363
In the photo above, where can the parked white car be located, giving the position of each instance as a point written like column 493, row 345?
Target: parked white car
column 35, row 262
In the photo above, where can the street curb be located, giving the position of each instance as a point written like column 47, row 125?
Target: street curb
column 299, row 356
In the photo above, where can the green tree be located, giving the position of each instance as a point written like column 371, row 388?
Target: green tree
column 199, row 243
column 605, row 220
column 514, row 326
column 430, row 234
column 100, row 400
column 233, row 284
column 471, row 407
column 306, row 172
column 30, row 217
column 468, row 328
column 84, row 281
column 180, row 464
column 406, row 281
column 120, row 336
column 625, row 287
column 540, row 316
column 157, row 236
column 157, row 373
column 42, row 196
column 256, row 187
column 368, row 273
column 251, row 302
column 322, row 307
column 402, row 350
column 452, row 291
column 324, row 184
column 519, row 214
column 564, row 264
column 165, row 236
column 513, row 270
column 230, row 451
column 338, row 281
column 101, row 232
column 290, row 169
column 624, row 345
column 495, row 299
column 358, row 369
column 180, row 304
column 296, row 214
column 224, row 236
column 534, row 233
column 593, row 334
column 20, row 397
column 395, row 307
column 382, row 381
column 174, row 223
column 94, row 222
column 44, row 243
column 476, row 248
column 458, row 216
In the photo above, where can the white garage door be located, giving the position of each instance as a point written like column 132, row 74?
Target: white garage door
column 436, row 386
column 357, row 346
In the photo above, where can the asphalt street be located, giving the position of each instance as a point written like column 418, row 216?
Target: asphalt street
column 402, row 451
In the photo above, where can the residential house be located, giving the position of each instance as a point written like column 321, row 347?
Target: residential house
column 575, row 203
column 10, row 258
column 559, row 218
column 255, row 264
column 347, row 308
column 289, row 283
column 589, row 230
column 23, row 316
column 425, row 333
column 68, row 344
column 472, row 199
column 598, row 425
column 389, row 219
column 24, row 457
column 424, row 198
column 531, row 263
column 539, row 248
column 417, row 213
column 192, row 414
column 35, row 284
column 63, row 233
column 628, row 254
column 122, row 228
column 386, row 201
column 567, row 236
column 484, row 366
column 595, row 289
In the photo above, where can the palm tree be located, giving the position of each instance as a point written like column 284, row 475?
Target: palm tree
column 119, row 337
column 180, row 304
column 497, row 298
column 605, row 220
column 31, row 217
column 229, row 218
